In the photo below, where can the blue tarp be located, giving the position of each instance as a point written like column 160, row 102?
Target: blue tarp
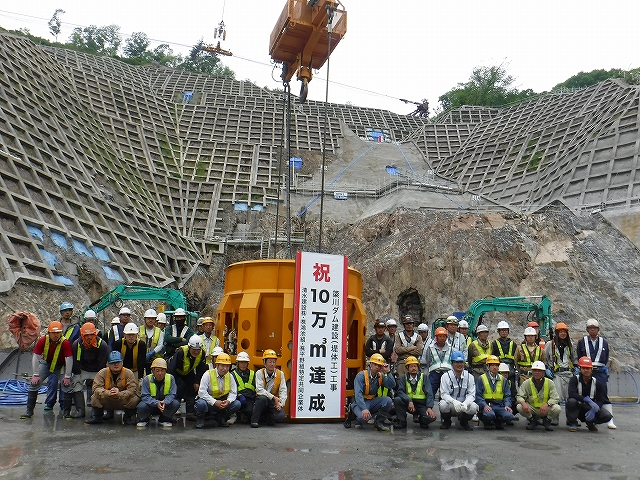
column 101, row 254
column 64, row 280
column 80, row 247
column 59, row 240
column 35, row 232
column 240, row 207
column 49, row 257
column 111, row 273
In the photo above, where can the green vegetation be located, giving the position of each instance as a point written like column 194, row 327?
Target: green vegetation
column 583, row 80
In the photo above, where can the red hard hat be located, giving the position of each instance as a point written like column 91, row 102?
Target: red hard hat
column 585, row 362
column 532, row 324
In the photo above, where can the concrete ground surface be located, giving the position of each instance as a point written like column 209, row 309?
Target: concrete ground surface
column 48, row 446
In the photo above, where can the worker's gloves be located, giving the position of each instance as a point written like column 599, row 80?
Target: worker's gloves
column 549, row 373
column 594, row 406
column 66, row 381
column 458, row 406
column 590, row 416
column 150, row 355
column 35, row 379
column 606, row 371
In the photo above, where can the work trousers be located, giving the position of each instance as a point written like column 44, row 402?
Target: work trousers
column 553, row 412
column 498, row 412
column 577, row 410
column 145, row 410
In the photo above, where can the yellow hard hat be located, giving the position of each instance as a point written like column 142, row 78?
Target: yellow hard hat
column 159, row 363
column 207, row 320
column 377, row 359
column 493, row 359
column 268, row 353
column 411, row 360
column 223, row 359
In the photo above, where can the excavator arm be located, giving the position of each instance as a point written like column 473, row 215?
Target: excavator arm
column 174, row 298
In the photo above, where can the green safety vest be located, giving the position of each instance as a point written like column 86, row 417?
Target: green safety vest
column 483, row 353
column 536, row 402
column 418, row 393
column 45, row 353
column 167, row 385
column 249, row 385
column 527, row 362
column 186, row 362
column 510, row 355
column 154, row 340
column 489, row 393
column 213, row 384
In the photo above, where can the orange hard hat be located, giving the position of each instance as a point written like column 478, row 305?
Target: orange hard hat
column 54, row 326
column 562, row 326
column 532, row 324
column 441, row 331
column 585, row 362
column 88, row 329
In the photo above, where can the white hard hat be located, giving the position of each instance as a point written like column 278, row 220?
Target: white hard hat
column 538, row 365
column 503, row 368
column 199, row 322
column 463, row 324
column 179, row 312
column 124, row 311
column 90, row 314
column 391, row 323
column 195, row 342
column 592, row 322
column 482, row 328
column 131, row 328
column 452, row 319
column 161, row 318
column 502, row 325
column 115, row 320
column 530, row 331
column 216, row 351
column 243, row 357
column 423, row 327
column 151, row 313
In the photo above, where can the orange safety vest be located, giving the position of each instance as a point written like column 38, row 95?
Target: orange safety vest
column 367, row 387
column 123, row 348
column 276, row 382
column 107, row 381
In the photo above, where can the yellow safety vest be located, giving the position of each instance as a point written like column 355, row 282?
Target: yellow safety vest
column 123, row 348
column 527, row 362
column 418, row 393
column 489, row 393
column 213, row 384
column 483, row 353
column 167, row 385
column 79, row 352
column 186, row 362
column 154, row 340
column 45, row 353
column 215, row 343
column 241, row 385
column 556, row 367
column 510, row 355
column 535, row 394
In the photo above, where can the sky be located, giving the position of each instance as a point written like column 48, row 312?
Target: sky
column 409, row 49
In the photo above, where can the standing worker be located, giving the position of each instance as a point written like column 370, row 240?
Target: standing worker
column 505, row 349
column 133, row 350
column 407, row 343
column 493, row 396
column 152, row 336
column 209, row 340
column 392, row 327
column 463, row 329
column 455, row 338
column 370, row 393
column 597, row 349
column 527, row 353
column 538, row 398
column 479, row 351
column 158, row 396
column 177, row 334
column 217, row 394
column 379, row 342
column 51, row 354
column 438, row 358
column 414, row 395
column 271, row 391
column 586, row 398
column 560, row 358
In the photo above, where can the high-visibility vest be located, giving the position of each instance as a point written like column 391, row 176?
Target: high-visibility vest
column 528, row 361
column 510, row 355
column 79, row 352
column 215, row 342
column 489, row 393
column 535, row 394
column 241, row 384
column 556, row 363
column 167, row 385
column 69, row 331
column 469, row 341
column 123, row 349
column 107, row 380
column 418, row 393
column 56, row 353
column 367, row 387
column 592, row 393
column 440, row 362
column 186, row 361
column 154, row 339
column 276, row 382
column 598, row 352
column 483, row 353
column 214, row 390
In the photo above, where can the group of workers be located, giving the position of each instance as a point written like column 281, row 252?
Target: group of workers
column 149, row 370
column 488, row 381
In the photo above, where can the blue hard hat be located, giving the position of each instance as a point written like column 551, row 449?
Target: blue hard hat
column 457, row 356
column 115, row 357
column 66, row 306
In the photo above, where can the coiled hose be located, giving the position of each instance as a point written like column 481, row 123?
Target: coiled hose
column 14, row 392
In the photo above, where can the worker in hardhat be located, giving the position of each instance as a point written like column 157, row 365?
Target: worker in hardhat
column 560, row 358
column 505, row 371
column 217, row 394
column 271, row 392
column 457, row 394
column 504, row 348
column 114, row 388
column 51, row 360
column 70, row 331
column 526, row 353
column 423, row 331
column 493, row 396
column 438, row 358
column 533, row 324
column 538, row 399
column 188, row 365
column 455, row 338
column 153, row 338
column 209, row 340
column 158, row 396
column 125, row 316
column 586, row 398
column 414, row 395
column 199, row 326
column 177, row 334
column 392, row 328
column 463, row 329
column 596, row 348
column 371, row 393
column 246, row 384
column 133, row 350
column 161, row 321
column 115, row 332
column 407, row 343
column 479, row 351
column 90, row 316
column 90, row 354
column 379, row 342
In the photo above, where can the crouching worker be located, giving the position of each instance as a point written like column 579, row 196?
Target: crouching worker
column 158, row 392
column 371, row 388
column 271, row 391
column 538, row 398
column 217, row 393
column 458, row 394
column 414, row 395
column 586, row 397
column 493, row 396
column 114, row 388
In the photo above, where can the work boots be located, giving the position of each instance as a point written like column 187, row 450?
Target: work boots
column 464, row 421
column 533, row 422
column 96, row 416
column 32, row 397
column 189, row 407
column 78, row 398
column 129, row 416
column 66, row 406
column 200, row 420
column 446, row 421
column 546, row 423
column 379, row 425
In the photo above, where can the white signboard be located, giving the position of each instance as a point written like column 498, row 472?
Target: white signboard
column 340, row 195
column 319, row 336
